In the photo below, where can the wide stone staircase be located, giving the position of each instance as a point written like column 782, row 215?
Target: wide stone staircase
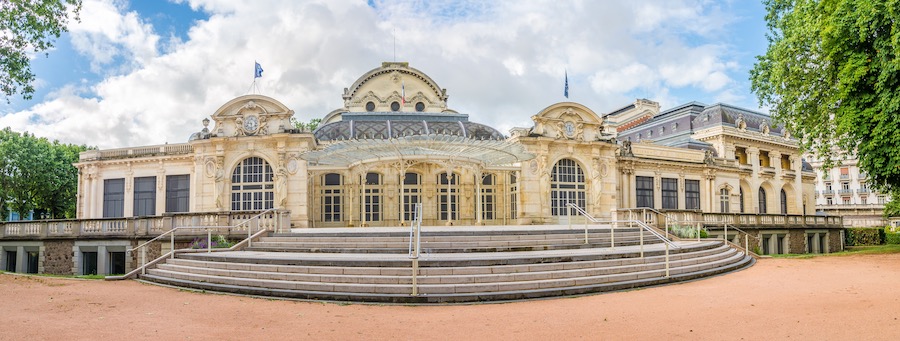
column 455, row 264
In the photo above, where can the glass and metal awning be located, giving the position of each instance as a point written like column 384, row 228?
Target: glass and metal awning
column 487, row 153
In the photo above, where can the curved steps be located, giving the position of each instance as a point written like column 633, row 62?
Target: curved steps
column 508, row 266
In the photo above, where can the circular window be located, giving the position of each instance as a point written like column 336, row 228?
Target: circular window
column 395, row 106
column 370, row 106
column 420, row 106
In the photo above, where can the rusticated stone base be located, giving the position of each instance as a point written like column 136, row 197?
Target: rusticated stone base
column 58, row 257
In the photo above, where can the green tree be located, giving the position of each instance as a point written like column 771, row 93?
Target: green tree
column 28, row 27
column 308, row 126
column 36, row 174
column 831, row 74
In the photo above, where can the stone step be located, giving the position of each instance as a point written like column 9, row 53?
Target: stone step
column 442, row 260
column 432, row 237
column 404, row 249
column 404, row 270
column 493, row 274
column 396, row 294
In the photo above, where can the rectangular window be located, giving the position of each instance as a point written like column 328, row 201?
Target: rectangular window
column 644, row 191
column 692, row 194
column 724, row 201
column 10, row 261
column 89, row 263
column 670, row 193
column 144, row 196
column 178, row 193
column 113, row 198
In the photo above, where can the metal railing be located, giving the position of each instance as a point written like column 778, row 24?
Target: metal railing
column 699, row 224
column 415, row 243
column 613, row 223
column 260, row 228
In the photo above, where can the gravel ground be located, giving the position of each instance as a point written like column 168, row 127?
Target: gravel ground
column 824, row 298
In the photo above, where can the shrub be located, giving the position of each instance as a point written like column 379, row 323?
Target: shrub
column 863, row 236
column 687, row 231
column 891, row 237
column 218, row 241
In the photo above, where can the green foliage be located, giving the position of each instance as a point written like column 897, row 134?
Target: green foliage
column 863, row 236
column 687, row 231
column 37, row 174
column 892, row 208
column 308, row 126
column 218, row 241
column 28, row 27
column 831, row 75
column 891, row 236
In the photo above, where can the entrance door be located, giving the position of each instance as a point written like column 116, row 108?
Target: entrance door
column 117, row 263
column 89, row 263
column 10, row 261
column 31, row 266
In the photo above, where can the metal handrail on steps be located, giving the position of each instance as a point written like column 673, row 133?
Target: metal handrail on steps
column 171, row 233
column 613, row 223
column 415, row 233
column 698, row 222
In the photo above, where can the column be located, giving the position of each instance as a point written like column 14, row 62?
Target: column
column 797, row 165
column 102, row 260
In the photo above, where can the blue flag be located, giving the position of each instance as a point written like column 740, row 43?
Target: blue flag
column 566, row 91
column 257, row 72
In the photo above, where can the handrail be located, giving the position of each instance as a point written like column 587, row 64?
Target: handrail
column 250, row 235
column 640, row 224
column 415, row 232
column 746, row 240
column 724, row 223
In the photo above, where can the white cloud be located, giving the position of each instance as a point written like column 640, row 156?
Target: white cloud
column 500, row 61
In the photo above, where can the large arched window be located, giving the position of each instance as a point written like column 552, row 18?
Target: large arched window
column 448, row 199
column 412, row 189
column 331, row 197
column 251, row 185
column 783, row 202
column 371, row 201
column 741, row 192
column 566, row 186
column 762, row 201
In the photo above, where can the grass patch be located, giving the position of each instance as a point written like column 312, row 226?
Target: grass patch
column 92, row 277
column 850, row 251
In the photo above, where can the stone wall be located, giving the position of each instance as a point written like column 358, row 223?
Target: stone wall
column 797, row 241
column 834, row 241
column 58, row 257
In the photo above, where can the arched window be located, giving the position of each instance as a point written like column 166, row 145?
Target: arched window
column 488, row 207
column 783, row 202
column 412, row 189
column 448, row 198
column 724, row 200
column 251, row 185
column 332, row 183
column 371, row 201
column 762, row 201
column 566, row 186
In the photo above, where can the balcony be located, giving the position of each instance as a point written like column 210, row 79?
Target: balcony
column 139, row 227
column 845, row 176
column 846, row 191
column 863, row 191
column 863, row 175
column 827, row 192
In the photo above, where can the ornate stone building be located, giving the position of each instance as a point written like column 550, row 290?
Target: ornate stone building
column 395, row 142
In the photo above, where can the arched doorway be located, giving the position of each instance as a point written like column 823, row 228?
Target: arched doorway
column 252, row 187
column 566, row 186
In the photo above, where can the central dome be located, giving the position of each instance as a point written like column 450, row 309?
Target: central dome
column 396, row 100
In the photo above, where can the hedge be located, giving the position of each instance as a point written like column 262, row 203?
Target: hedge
column 864, row 236
column 891, row 237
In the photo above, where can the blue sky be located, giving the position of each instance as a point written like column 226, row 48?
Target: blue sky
column 147, row 72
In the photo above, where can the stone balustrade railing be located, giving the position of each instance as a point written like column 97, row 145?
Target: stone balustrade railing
column 748, row 220
column 122, row 153
column 139, row 227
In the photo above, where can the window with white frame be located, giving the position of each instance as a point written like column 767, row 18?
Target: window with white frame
column 412, row 189
column 448, row 196
column 566, row 186
column 488, row 197
column 251, row 185
column 372, row 198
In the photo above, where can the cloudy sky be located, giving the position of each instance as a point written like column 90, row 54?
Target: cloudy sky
column 147, row 72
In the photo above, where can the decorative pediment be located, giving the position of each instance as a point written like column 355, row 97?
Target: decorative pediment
column 568, row 120
column 251, row 115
